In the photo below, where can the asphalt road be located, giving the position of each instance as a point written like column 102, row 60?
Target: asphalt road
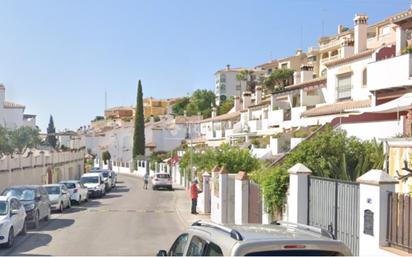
column 127, row 221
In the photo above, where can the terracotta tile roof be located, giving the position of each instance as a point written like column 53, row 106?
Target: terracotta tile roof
column 339, row 107
column 118, row 108
column 189, row 119
column 309, row 83
column 12, row 105
column 351, row 58
column 223, row 117
column 263, row 103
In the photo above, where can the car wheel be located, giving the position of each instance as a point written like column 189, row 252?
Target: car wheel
column 24, row 229
column 10, row 238
column 61, row 207
column 36, row 220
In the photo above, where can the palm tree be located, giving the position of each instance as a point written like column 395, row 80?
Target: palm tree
column 249, row 77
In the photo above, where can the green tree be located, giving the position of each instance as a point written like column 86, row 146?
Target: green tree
column 51, row 133
column 23, row 138
column 106, row 156
column 201, row 101
column 138, row 136
column 249, row 77
column 278, row 79
column 226, row 106
column 180, row 106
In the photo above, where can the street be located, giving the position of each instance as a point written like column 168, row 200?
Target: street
column 127, row 221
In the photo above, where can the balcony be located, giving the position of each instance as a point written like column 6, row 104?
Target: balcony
column 331, row 44
column 391, row 72
column 275, row 117
column 255, row 125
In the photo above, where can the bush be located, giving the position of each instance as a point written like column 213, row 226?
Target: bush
column 256, row 142
column 300, row 134
column 106, row 156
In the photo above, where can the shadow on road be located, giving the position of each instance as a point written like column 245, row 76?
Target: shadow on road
column 56, row 224
column 110, row 196
column 20, row 248
column 121, row 189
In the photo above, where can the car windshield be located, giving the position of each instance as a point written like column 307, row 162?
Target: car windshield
column 70, row 185
column 85, row 180
column 163, row 176
column 23, row 194
column 3, row 208
column 54, row 190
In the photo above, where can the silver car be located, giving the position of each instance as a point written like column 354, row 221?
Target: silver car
column 59, row 196
column 279, row 239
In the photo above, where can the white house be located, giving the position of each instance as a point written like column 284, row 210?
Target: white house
column 12, row 114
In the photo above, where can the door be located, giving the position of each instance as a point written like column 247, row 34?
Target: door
column 16, row 219
column 179, row 246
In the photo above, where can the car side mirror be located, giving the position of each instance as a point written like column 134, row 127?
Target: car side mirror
column 162, row 253
column 14, row 212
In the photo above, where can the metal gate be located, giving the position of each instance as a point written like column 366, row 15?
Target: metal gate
column 334, row 205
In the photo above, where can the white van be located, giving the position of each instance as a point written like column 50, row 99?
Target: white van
column 94, row 183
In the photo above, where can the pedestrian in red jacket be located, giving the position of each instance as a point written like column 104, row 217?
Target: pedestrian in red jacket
column 194, row 192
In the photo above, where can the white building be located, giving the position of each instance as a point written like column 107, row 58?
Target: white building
column 12, row 114
column 227, row 85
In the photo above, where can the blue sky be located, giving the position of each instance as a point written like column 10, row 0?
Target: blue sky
column 59, row 57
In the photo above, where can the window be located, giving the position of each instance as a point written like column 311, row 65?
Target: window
column 284, row 65
column 222, row 88
column 269, row 71
column 312, row 58
column 364, row 78
column 196, row 247
column 14, row 204
column 344, row 87
column 213, row 250
column 179, row 246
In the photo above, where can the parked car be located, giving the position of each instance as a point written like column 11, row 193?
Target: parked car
column 94, row 183
column 78, row 192
column 106, row 177
column 12, row 220
column 35, row 200
column 59, row 196
column 279, row 239
column 160, row 180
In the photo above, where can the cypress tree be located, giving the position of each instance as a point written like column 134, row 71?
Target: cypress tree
column 51, row 136
column 138, row 137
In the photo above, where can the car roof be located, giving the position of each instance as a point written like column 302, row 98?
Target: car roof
column 256, row 233
column 93, row 174
column 24, row 186
column 53, row 185
column 69, row 181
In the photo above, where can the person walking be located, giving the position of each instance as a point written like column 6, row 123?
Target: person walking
column 194, row 193
column 146, row 181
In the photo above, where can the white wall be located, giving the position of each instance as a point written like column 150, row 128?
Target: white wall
column 371, row 130
column 390, row 72
column 358, row 92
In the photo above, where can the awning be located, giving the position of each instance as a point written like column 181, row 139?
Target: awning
column 402, row 103
column 339, row 107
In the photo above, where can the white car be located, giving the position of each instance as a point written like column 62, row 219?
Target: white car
column 162, row 180
column 107, row 177
column 94, row 183
column 12, row 220
column 59, row 196
column 78, row 192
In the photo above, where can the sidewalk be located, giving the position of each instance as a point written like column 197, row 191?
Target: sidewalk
column 183, row 205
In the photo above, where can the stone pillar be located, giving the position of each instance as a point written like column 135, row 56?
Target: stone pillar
column 241, row 198
column 298, row 194
column 206, row 193
column 223, row 196
column 400, row 40
column 373, row 208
